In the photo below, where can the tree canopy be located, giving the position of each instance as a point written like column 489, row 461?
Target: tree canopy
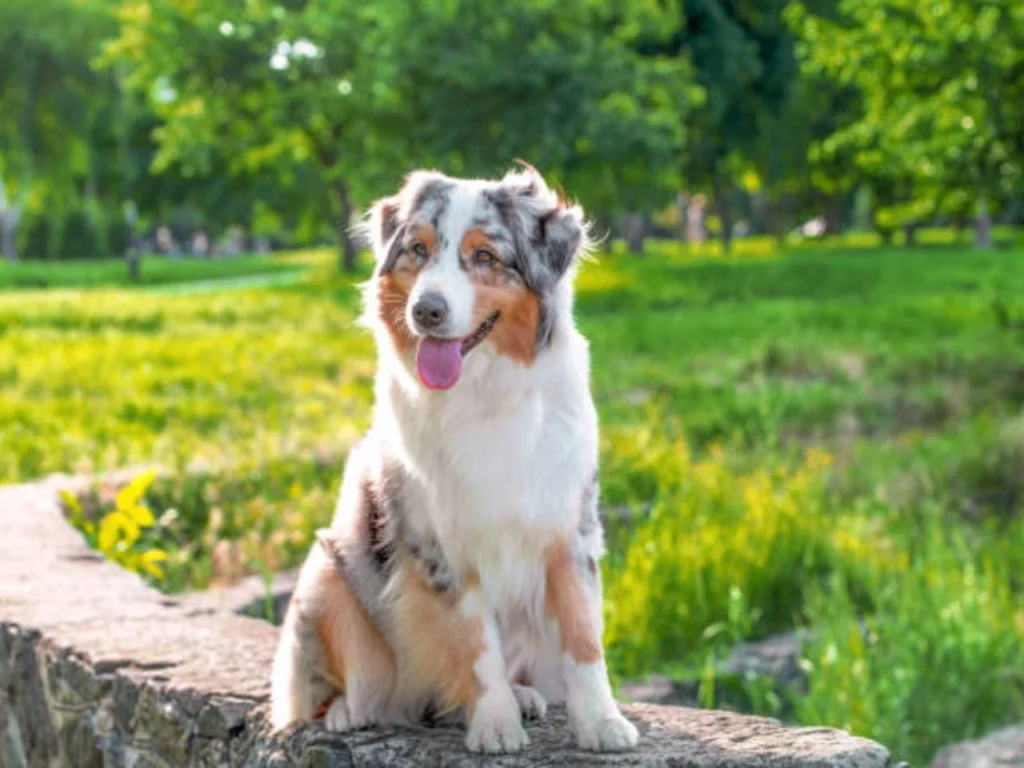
column 286, row 118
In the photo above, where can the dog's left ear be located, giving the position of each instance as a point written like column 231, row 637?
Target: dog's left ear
column 555, row 230
column 561, row 236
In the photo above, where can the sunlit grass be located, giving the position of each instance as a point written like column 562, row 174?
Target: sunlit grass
column 792, row 430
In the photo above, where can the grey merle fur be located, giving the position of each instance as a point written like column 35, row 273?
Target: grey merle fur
column 541, row 244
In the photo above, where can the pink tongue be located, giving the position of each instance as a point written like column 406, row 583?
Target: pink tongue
column 439, row 362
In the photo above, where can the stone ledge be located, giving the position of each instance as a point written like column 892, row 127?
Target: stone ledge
column 97, row 669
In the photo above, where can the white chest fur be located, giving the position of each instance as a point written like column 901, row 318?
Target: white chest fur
column 499, row 463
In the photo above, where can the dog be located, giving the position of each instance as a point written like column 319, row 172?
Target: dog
column 460, row 573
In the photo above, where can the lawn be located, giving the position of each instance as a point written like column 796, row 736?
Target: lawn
column 153, row 271
column 831, row 438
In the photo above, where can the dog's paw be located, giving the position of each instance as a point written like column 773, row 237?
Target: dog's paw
column 532, row 705
column 337, row 717
column 496, row 726
column 609, row 734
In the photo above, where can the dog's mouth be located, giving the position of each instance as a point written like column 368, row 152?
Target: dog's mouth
column 439, row 361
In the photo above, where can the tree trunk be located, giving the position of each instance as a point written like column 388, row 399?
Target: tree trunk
column 773, row 219
column 722, row 205
column 131, row 258
column 983, row 226
column 8, row 230
column 910, row 234
column 834, row 215
column 636, row 231
column 349, row 252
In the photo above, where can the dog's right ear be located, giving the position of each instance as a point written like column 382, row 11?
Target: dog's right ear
column 383, row 227
column 383, row 224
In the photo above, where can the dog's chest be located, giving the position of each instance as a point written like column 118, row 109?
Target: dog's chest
column 498, row 484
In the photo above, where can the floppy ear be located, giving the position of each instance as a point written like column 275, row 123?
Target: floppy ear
column 555, row 230
column 388, row 214
column 562, row 235
column 384, row 222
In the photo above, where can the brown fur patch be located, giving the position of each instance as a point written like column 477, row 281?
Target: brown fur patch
column 515, row 335
column 425, row 234
column 439, row 646
column 470, row 579
column 394, row 288
column 566, row 599
column 347, row 635
column 474, row 240
column 393, row 291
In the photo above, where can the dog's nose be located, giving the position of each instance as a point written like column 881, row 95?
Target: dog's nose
column 431, row 311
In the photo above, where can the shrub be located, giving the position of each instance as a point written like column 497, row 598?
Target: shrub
column 79, row 237
column 942, row 657
column 712, row 531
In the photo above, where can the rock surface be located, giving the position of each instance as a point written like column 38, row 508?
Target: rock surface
column 1001, row 749
column 97, row 669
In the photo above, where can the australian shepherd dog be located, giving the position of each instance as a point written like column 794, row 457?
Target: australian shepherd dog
column 460, row 573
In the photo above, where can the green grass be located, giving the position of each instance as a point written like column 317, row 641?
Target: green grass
column 831, row 437
column 154, row 271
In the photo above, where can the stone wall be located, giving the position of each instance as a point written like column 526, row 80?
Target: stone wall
column 97, row 669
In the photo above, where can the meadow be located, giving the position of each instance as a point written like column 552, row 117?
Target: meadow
column 829, row 437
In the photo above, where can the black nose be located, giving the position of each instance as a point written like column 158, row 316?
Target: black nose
column 430, row 311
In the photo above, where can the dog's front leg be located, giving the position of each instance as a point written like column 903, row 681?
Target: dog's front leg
column 573, row 602
column 494, row 719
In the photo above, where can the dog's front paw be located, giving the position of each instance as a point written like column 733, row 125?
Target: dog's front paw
column 496, row 726
column 609, row 734
column 337, row 717
column 532, row 705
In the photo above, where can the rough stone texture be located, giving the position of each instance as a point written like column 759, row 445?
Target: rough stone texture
column 98, row 670
column 1001, row 749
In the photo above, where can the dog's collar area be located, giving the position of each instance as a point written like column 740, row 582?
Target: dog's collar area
column 480, row 333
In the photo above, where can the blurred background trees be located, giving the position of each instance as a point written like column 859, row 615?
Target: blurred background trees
column 277, row 121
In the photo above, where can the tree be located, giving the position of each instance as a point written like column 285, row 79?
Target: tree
column 352, row 94
column 941, row 85
column 742, row 58
column 559, row 83
column 259, row 87
column 49, row 99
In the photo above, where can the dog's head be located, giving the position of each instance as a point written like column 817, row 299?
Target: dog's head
column 465, row 264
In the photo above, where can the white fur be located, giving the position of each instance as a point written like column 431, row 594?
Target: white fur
column 500, row 461
column 496, row 725
column 498, row 464
column 444, row 276
column 592, row 710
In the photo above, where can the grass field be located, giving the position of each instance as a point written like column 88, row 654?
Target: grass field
column 154, row 270
column 830, row 438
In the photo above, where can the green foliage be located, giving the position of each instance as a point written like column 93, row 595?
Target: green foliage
column 713, row 533
column 156, row 271
column 341, row 94
column 723, row 384
column 940, row 87
column 940, row 659
column 98, row 381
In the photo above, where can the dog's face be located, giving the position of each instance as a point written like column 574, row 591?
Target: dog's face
column 464, row 264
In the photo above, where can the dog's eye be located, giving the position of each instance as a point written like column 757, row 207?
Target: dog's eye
column 485, row 257
column 419, row 250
